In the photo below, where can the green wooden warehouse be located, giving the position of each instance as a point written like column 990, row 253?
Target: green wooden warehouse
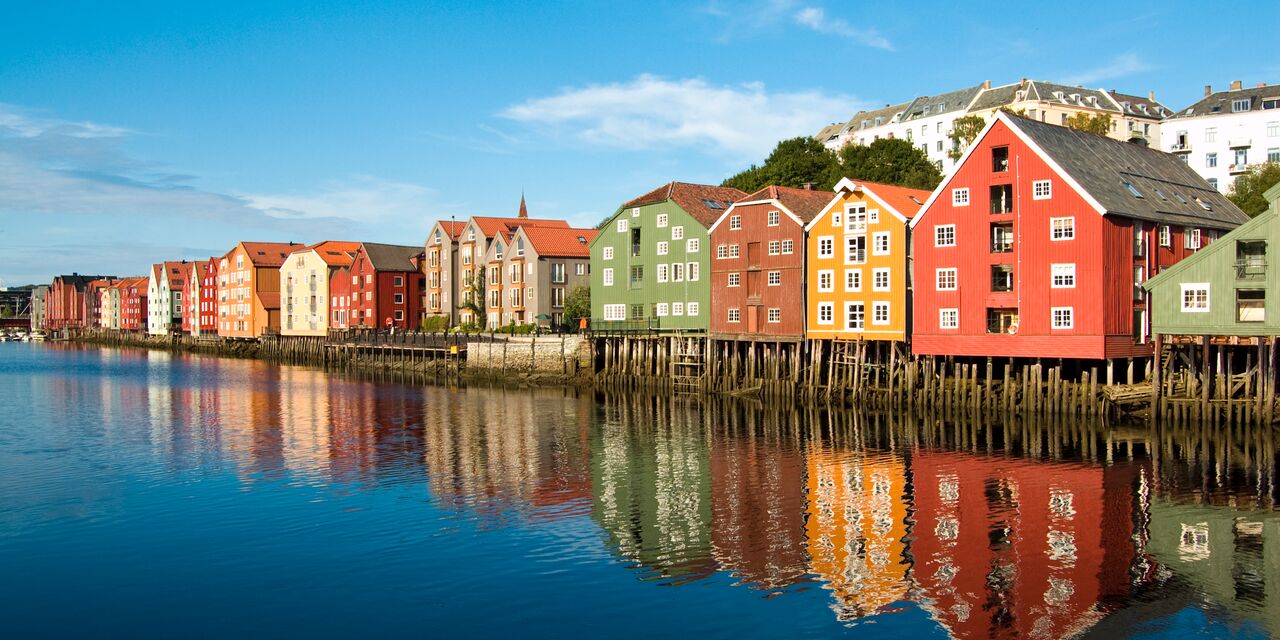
column 650, row 268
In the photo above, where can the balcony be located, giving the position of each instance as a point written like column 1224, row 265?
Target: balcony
column 1180, row 147
column 1251, row 270
column 1239, row 143
column 1237, row 169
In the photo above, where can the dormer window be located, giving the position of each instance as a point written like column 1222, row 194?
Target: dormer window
column 1240, row 105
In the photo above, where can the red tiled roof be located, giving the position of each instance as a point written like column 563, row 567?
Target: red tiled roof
column 492, row 226
column 560, row 243
column 335, row 253
column 904, row 200
column 176, row 271
column 269, row 254
column 453, row 227
column 270, row 299
column 704, row 202
column 806, row 204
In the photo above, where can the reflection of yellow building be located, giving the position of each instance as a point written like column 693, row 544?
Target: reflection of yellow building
column 304, row 421
column 856, row 529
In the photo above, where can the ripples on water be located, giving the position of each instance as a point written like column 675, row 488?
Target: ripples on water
column 143, row 494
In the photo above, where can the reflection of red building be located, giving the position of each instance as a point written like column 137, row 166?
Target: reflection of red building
column 1007, row 547
column 757, row 510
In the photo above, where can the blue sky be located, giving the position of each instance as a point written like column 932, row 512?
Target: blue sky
column 134, row 132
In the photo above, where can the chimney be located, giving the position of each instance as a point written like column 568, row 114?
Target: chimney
column 1151, row 95
column 1237, row 85
column 986, row 84
column 807, row 186
column 1261, row 85
column 1208, row 89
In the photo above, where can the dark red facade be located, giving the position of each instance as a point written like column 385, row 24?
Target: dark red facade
column 133, row 305
column 209, row 296
column 382, row 299
column 1005, row 296
column 65, row 303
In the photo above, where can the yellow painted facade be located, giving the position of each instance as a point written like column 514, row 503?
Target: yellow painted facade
column 856, row 264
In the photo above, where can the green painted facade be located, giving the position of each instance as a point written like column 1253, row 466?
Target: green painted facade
column 1240, row 271
column 643, row 295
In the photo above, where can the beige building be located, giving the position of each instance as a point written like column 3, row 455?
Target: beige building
column 305, row 294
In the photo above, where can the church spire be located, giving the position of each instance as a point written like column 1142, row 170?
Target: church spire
column 524, row 210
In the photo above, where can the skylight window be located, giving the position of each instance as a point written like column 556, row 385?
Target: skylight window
column 1134, row 190
column 915, row 200
column 1180, row 198
column 1161, row 195
column 712, row 204
column 1204, row 205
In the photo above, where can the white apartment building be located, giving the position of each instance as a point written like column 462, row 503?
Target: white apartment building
column 1227, row 132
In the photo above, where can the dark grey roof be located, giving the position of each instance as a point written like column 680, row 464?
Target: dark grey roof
column 392, row 257
column 1070, row 95
column 1103, row 166
column 925, row 106
column 996, row 97
column 830, row 131
column 79, row 282
column 1221, row 101
column 886, row 115
column 1135, row 104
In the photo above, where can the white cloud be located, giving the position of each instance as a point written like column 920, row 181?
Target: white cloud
column 815, row 18
column 742, row 122
column 364, row 199
column 1118, row 67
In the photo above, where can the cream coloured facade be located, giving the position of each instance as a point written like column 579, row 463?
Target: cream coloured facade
column 304, row 279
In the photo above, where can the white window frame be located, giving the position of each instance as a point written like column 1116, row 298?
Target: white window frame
column 775, row 247
column 826, row 313
column 677, row 233
column 1191, row 238
column 663, row 247
column 691, row 309
column 876, row 276
column 876, row 238
column 1041, row 189
column 788, row 247
column 733, row 280
column 607, row 254
column 830, row 277
column 1188, row 287
column 1070, row 315
column 677, row 308
column 955, row 278
column 1068, row 232
column 826, row 246
column 691, row 245
column 857, row 277
column 774, row 218
column 606, row 276
column 876, row 308
column 960, row 197
column 733, row 315
column 1166, row 236
column 623, row 225
column 1066, row 271
column 662, row 272
column 661, row 220
column 735, row 222
column 848, row 306
column 662, row 309
column 772, row 276
column 773, row 315
column 937, row 235
column 949, row 318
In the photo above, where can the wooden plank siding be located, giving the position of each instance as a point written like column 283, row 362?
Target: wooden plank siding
column 754, row 297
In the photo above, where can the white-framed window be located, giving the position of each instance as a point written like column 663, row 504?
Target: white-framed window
column 677, row 272
column 734, row 280
column 662, row 272
column 623, row 225
column 1190, row 238
column 677, row 308
column 855, row 218
column 1211, row 134
column 959, row 197
column 615, row 312
column 1273, row 129
column 691, row 309
column 826, row 279
column 1166, row 236
column 853, row 279
column 735, row 222
column 582, row 268
column 774, row 218
column 606, row 276
column 691, row 271
column 734, row 315
column 788, row 247
column 722, row 251
column 775, row 278
column 733, row 250
column 945, row 279
column 879, row 313
column 873, row 216
column 1240, row 104
column 1195, row 297
column 1063, row 275
column 944, row 235
column 608, row 253
column 661, row 220
column 691, row 245
column 880, row 279
column 880, row 243
column 399, row 298
column 855, row 249
column 835, row 218
column 853, row 316
column 775, row 315
column 1063, row 317
column 662, row 309
column 1062, row 228
column 677, row 233
column 1041, row 189
column 826, row 313
column 826, row 247
column 663, row 247
column 948, row 318
column 635, row 212
column 775, row 247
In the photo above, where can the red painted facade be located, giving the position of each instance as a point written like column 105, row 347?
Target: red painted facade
column 993, row 530
column 133, row 304
column 1106, row 308
column 65, row 304
column 340, row 298
column 209, row 296
column 379, row 296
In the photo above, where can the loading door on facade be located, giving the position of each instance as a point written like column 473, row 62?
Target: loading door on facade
column 753, row 318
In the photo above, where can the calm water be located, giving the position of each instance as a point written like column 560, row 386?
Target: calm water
column 150, row 495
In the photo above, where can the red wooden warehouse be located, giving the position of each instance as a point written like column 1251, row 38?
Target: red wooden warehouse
column 385, row 287
column 1035, row 243
column 757, row 272
column 64, row 304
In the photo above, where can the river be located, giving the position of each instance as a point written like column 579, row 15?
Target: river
column 146, row 494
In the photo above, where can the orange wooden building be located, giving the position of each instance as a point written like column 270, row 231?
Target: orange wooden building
column 249, row 288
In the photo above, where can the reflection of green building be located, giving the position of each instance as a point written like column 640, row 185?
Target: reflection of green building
column 651, row 481
column 1231, row 556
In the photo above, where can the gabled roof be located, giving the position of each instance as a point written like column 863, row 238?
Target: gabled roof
column 885, row 113
column 1171, row 191
column 391, row 257
column 804, row 204
column 560, row 243
column 903, row 202
column 335, row 253
column 78, row 281
column 1136, row 103
column 493, row 226
column 453, row 228
column 828, row 132
column 1220, row 103
column 268, row 254
column 176, row 272
column 703, row 202
column 996, row 97
column 1221, row 244
column 926, row 106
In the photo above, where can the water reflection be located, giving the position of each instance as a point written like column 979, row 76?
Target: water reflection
column 1013, row 529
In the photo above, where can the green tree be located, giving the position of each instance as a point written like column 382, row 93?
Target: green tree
column 792, row 163
column 475, row 302
column 964, row 131
column 1098, row 123
column 888, row 161
column 1248, row 188
column 577, row 305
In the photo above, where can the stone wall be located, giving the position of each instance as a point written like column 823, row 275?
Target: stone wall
column 562, row 354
